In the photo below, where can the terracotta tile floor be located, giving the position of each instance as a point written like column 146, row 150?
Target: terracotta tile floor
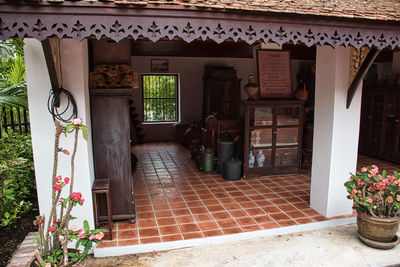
column 175, row 201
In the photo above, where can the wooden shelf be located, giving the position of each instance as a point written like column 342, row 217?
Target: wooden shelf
column 283, row 156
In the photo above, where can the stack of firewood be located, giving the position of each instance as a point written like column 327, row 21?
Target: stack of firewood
column 113, row 76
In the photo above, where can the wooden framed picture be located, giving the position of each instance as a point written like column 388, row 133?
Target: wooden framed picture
column 274, row 74
column 159, row 65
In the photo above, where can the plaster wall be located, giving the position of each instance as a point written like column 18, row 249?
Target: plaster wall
column 190, row 72
column 74, row 58
column 336, row 131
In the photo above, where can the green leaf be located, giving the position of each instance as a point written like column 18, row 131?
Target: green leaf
column 84, row 132
column 384, row 174
column 86, row 226
column 377, row 179
column 391, row 188
column 68, row 128
column 78, row 243
column 357, row 199
column 396, row 174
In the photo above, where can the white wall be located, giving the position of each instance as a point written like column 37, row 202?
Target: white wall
column 74, row 58
column 336, row 131
column 190, row 70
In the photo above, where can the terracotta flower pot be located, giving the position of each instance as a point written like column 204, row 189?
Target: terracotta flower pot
column 377, row 229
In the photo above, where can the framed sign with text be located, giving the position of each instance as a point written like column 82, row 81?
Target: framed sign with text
column 274, row 74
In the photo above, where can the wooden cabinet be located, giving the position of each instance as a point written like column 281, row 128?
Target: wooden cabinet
column 221, row 93
column 273, row 128
column 380, row 123
column 111, row 151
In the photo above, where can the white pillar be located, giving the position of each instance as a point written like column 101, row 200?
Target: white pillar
column 74, row 58
column 336, row 131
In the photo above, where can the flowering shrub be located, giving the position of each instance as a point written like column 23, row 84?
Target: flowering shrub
column 55, row 234
column 17, row 177
column 374, row 193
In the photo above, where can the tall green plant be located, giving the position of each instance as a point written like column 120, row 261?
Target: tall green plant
column 12, row 74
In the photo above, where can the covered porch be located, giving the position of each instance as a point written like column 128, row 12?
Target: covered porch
column 177, row 202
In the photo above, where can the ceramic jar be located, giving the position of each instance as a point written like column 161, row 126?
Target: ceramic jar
column 260, row 159
column 251, row 88
column 252, row 159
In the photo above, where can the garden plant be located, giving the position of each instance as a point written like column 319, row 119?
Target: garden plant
column 55, row 231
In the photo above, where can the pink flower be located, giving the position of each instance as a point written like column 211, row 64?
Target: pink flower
column 58, row 178
column 76, row 121
column 66, row 180
column 57, row 187
column 76, row 196
column 82, row 201
column 99, row 236
column 40, row 222
column 398, row 198
column 66, row 152
column 91, row 237
column 52, row 229
column 72, row 228
column 54, row 221
column 48, row 264
column 370, row 200
column 81, row 233
column 364, row 169
column 389, row 199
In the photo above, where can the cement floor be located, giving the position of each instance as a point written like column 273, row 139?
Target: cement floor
column 338, row 246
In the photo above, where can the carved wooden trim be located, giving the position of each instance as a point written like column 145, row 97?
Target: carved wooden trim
column 366, row 64
column 79, row 27
column 357, row 57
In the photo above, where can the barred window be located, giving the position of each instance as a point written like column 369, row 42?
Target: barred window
column 160, row 97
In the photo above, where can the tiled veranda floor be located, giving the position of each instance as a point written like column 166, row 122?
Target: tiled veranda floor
column 175, row 201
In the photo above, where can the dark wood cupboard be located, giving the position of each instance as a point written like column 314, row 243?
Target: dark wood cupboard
column 221, row 96
column 111, row 150
column 273, row 128
column 380, row 123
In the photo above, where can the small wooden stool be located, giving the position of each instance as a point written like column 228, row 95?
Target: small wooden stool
column 102, row 186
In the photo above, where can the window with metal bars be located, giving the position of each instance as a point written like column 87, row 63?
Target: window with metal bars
column 160, row 97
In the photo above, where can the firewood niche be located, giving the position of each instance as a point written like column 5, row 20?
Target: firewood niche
column 113, row 76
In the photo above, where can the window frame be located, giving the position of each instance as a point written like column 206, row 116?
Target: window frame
column 177, row 98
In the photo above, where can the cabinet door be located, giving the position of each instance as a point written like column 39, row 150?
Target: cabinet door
column 390, row 143
column 376, row 123
column 287, row 136
column 111, row 150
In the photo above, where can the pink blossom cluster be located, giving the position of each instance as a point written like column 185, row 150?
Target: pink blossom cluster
column 374, row 192
column 77, row 197
column 97, row 236
column 59, row 183
column 38, row 220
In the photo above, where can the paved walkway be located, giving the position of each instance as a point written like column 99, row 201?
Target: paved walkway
column 336, row 246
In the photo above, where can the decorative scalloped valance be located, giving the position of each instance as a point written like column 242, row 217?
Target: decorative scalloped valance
column 79, row 27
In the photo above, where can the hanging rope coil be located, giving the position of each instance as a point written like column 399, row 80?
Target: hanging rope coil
column 53, row 105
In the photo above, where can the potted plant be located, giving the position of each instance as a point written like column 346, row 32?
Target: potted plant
column 55, row 231
column 376, row 198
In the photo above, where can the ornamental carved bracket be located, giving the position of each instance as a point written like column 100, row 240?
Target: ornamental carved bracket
column 79, row 27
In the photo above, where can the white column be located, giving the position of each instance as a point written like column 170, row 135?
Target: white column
column 74, row 58
column 336, row 131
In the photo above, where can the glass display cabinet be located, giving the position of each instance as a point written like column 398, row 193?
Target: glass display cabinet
column 273, row 137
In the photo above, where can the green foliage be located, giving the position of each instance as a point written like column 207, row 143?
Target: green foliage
column 12, row 74
column 374, row 193
column 159, row 97
column 17, row 179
